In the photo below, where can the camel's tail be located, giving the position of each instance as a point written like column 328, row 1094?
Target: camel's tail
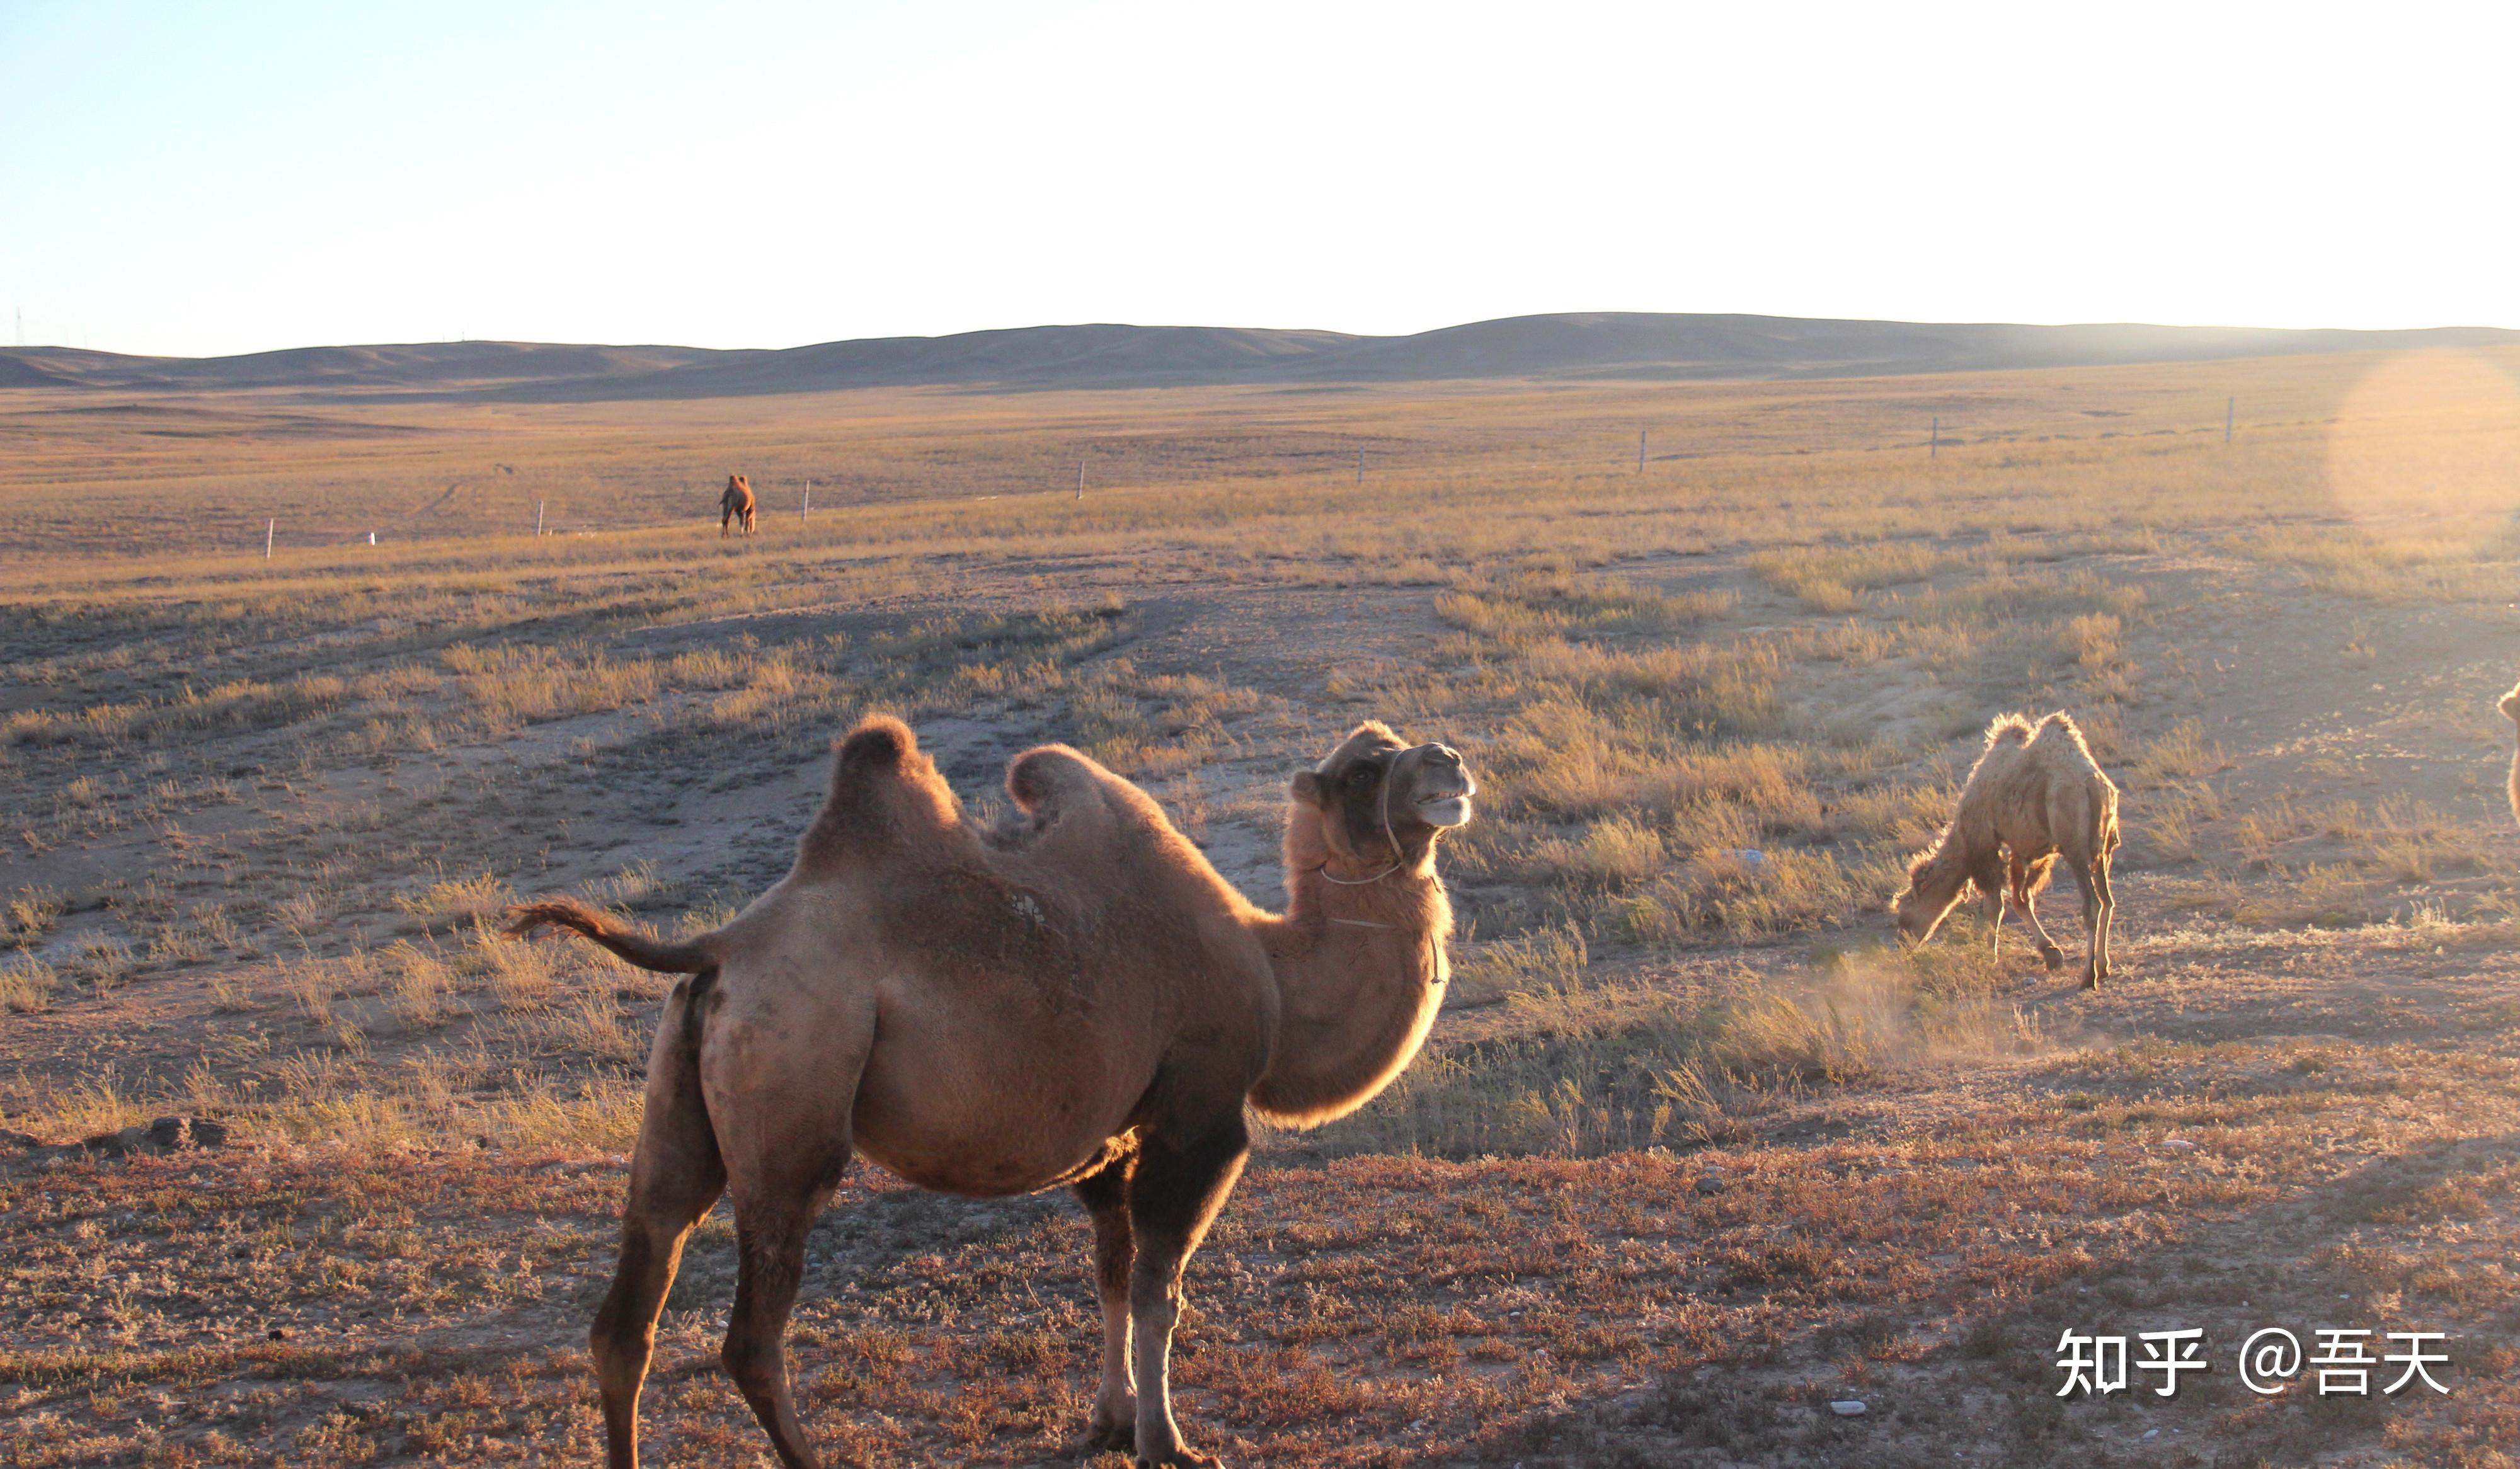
column 523, row 918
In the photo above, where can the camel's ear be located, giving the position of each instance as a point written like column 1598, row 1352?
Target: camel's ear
column 1308, row 788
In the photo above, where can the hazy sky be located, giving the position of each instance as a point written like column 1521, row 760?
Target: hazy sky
column 196, row 177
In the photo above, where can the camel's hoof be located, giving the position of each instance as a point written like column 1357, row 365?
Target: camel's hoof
column 2055, row 958
column 1183, row 1458
column 2090, row 981
column 1120, row 1437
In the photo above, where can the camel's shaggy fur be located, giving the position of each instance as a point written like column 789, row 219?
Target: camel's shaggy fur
column 1077, row 998
column 2034, row 796
column 735, row 504
column 2510, row 707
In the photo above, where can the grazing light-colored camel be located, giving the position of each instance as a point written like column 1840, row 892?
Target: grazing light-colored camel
column 1074, row 999
column 735, row 504
column 2510, row 707
column 2034, row 795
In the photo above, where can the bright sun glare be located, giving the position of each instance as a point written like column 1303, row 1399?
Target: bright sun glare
column 2427, row 444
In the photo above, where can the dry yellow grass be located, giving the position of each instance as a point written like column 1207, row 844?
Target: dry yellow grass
column 255, row 812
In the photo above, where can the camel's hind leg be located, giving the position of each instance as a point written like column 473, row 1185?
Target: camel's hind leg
column 1104, row 1194
column 1174, row 1193
column 770, row 1226
column 2092, row 878
column 2103, row 965
column 781, row 1101
column 674, row 1177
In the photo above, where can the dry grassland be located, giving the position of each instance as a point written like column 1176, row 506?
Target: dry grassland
column 1693, row 1151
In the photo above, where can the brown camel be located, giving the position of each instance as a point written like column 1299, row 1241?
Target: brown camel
column 735, row 504
column 2033, row 795
column 2510, row 707
column 1074, row 999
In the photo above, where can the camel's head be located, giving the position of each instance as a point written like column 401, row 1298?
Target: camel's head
column 1381, row 801
column 1934, row 890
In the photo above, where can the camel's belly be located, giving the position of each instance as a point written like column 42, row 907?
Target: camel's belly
column 986, row 1128
column 977, row 1164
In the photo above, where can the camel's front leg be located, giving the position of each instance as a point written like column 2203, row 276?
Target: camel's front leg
column 2049, row 951
column 1987, row 878
column 1174, row 1193
column 1105, row 1197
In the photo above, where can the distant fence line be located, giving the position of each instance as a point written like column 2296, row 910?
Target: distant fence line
column 1935, row 440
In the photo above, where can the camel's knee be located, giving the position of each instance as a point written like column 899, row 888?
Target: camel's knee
column 621, row 1350
column 755, row 1356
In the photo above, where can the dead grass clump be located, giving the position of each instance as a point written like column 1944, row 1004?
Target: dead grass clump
column 1611, row 855
column 1546, row 961
column 313, row 985
column 26, row 985
column 2181, row 753
column 30, row 916
column 1532, row 605
column 93, row 1103
column 1745, row 894
column 1831, row 579
column 636, row 886
column 2467, row 564
column 506, row 688
column 422, row 986
column 102, row 963
column 521, row 975
column 462, row 900
column 590, row 1025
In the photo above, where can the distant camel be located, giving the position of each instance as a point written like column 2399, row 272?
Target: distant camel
column 2510, row 707
column 1076, row 998
column 2033, row 797
column 735, row 505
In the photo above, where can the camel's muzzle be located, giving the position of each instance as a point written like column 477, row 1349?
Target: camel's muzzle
column 1440, row 786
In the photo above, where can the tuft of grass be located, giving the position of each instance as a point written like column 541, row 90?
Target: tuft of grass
column 1546, row 961
column 462, row 900
column 2180, row 754
column 422, row 987
column 27, row 985
column 30, row 916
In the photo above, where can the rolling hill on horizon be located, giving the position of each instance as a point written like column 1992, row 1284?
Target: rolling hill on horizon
column 1573, row 345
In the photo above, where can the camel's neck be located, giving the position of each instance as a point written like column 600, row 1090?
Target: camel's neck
column 1360, row 972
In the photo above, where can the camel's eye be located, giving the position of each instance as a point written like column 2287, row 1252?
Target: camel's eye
column 1361, row 777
